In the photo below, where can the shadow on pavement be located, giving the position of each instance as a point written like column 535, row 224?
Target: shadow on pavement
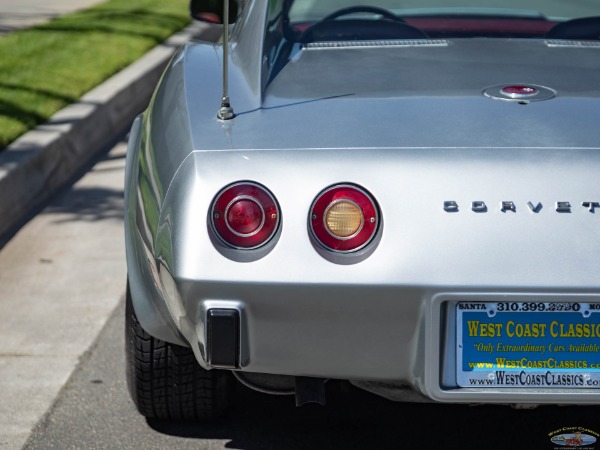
column 357, row 419
column 89, row 204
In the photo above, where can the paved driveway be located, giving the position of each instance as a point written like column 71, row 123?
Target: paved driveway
column 16, row 14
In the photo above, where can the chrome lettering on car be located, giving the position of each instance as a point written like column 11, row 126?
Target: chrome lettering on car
column 508, row 206
column 591, row 206
column 450, row 206
column 480, row 206
column 536, row 209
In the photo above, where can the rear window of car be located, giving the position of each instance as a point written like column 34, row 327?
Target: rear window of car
column 462, row 18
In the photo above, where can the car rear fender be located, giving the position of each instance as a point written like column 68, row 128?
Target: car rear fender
column 141, row 265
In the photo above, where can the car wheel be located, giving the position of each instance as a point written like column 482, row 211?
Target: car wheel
column 166, row 382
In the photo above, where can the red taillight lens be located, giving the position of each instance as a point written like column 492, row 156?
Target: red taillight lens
column 344, row 218
column 245, row 215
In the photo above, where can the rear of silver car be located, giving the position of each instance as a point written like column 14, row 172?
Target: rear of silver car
column 389, row 312
column 478, row 282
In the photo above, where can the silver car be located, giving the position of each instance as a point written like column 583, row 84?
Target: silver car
column 402, row 194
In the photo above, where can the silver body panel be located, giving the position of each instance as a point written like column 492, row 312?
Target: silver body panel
column 411, row 125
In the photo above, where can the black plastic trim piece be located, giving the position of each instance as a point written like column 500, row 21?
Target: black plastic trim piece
column 223, row 338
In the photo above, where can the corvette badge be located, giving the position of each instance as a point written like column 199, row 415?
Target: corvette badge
column 480, row 206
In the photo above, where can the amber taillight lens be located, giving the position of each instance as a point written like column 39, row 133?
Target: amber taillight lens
column 245, row 215
column 344, row 218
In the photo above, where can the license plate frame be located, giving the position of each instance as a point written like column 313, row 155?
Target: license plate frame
column 529, row 345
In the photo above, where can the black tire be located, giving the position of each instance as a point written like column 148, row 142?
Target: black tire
column 166, row 382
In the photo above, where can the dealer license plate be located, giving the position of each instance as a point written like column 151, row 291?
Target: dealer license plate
column 528, row 345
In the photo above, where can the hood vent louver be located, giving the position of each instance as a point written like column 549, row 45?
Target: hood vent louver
column 566, row 43
column 376, row 44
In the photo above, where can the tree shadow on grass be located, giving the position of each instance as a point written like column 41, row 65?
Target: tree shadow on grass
column 136, row 22
column 27, row 117
column 38, row 91
column 114, row 21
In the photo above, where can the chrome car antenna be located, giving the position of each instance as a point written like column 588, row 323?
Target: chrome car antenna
column 225, row 111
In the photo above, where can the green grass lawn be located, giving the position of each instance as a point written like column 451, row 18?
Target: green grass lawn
column 45, row 68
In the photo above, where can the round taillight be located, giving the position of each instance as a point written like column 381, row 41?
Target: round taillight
column 245, row 215
column 344, row 218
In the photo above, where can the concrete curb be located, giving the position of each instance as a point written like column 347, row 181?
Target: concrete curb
column 37, row 164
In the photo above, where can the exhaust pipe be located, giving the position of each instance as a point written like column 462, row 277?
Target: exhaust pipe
column 310, row 390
